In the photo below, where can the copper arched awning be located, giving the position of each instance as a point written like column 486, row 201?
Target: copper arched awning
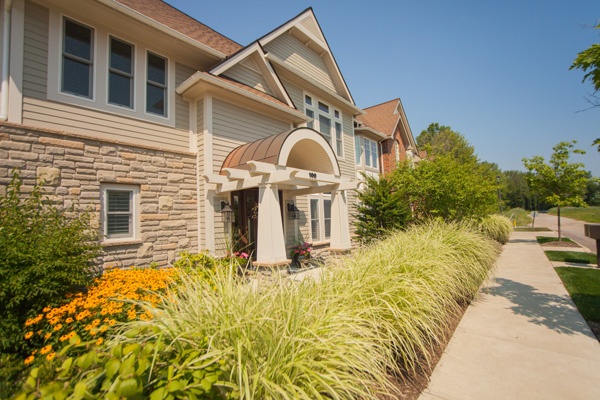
column 301, row 148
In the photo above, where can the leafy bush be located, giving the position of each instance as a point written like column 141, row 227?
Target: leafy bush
column 342, row 336
column 496, row 227
column 382, row 208
column 43, row 255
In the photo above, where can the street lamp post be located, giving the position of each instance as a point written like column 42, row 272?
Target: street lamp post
column 499, row 193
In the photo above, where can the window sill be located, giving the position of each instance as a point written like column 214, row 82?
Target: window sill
column 124, row 242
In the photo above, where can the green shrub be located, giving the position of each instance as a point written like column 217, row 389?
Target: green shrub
column 347, row 335
column 43, row 255
column 496, row 227
column 382, row 208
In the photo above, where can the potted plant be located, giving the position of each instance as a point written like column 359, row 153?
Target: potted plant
column 300, row 251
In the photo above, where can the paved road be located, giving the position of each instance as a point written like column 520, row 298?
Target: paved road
column 570, row 228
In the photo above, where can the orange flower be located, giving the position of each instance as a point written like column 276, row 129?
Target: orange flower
column 46, row 349
column 28, row 335
column 29, row 360
column 50, row 356
column 99, row 341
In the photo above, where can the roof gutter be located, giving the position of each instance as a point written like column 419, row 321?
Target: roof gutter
column 163, row 28
column 5, row 60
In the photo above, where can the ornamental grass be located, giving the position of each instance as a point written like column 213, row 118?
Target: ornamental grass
column 496, row 227
column 348, row 335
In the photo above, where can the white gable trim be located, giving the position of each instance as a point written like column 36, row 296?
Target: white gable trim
column 265, row 69
column 296, row 28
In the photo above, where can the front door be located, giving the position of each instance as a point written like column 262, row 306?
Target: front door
column 245, row 224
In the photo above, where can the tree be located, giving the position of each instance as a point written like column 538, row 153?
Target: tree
column 381, row 209
column 447, row 188
column 589, row 62
column 559, row 182
column 597, row 143
column 516, row 191
column 440, row 140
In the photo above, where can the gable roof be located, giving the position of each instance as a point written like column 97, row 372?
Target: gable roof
column 306, row 26
column 386, row 117
column 172, row 18
column 382, row 117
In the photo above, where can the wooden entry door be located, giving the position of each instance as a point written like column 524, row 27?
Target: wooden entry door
column 245, row 223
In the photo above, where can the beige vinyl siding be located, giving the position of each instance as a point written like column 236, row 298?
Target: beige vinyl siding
column 35, row 55
column 234, row 126
column 182, row 108
column 304, row 221
column 347, row 164
column 294, row 52
column 201, row 184
column 295, row 94
column 248, row 73
column 309, row 24
column 69, row 118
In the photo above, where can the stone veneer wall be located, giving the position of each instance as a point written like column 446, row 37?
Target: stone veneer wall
column 75, row 166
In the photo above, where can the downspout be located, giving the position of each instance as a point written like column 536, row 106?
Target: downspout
column 5, row 60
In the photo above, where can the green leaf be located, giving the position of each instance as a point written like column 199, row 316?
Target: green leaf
column 112, row 367
column 128, row 388
column 79, row 391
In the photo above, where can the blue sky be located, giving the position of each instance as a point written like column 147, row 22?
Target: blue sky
column 495, row 71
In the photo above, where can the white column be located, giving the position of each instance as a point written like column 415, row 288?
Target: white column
column 270, row 247
column 340, row 228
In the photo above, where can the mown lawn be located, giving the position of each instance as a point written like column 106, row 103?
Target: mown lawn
column 548, row 239
column 571, row 256
column 587, row 214
column 583, row 284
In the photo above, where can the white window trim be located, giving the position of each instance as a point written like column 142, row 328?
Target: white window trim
column 101, row 53
column 321, row 197
column 368, row 141
column 135, row 212
column 314, row 107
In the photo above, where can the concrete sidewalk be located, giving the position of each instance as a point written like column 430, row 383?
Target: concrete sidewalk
column 523, row 337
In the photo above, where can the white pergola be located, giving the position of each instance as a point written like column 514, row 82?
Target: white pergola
column 294, row 148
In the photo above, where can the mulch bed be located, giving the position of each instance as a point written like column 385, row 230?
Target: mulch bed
column 414, row 383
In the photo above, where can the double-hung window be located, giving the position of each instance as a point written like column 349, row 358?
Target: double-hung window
column 156, row 85
column 77, row 59
column 358, row 149
column 370, row 147
column 320, row 217
column 120, row 76
column 327, row 121
column 119, row 211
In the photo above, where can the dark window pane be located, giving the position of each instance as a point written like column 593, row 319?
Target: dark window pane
column 118, row 224
column 308, row 100
column 119, row 201
column 78, row 40
column 155, row 100
column 325, row 126
column 76, row 77
column 121, row 56
column 120, row 90
column 157, row 69
column 324, row 107
column 314, row 219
